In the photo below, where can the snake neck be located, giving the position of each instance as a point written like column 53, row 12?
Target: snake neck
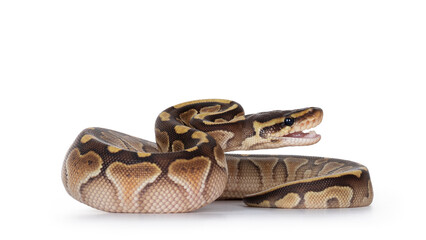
column 227, row 126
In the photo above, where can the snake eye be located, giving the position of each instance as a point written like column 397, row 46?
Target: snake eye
column 288, row 121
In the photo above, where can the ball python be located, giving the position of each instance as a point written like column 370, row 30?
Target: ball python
column 187, row 169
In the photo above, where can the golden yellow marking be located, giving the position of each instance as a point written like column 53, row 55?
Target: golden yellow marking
column 290, row 200
column 113, row 149
column 292, row 165
column 257, row 139
column 329, row 167
column 248, row 143
column 86, row 138
column 240, row 116
column 353, row 172
column 200, row 135
column 259, row 125
column 218, row 120
column 177, row 146
column 299, row 114
column 164, row 116
column 319, row 199
column 202, row 101
column 181, row 129
column 129, row 180
column 191, row 175
column 143, row 154
column 191, row 149
column 187, row 116
column 202, row 115
column 80, row 168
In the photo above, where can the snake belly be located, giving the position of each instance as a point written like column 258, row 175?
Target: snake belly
column 187, row 169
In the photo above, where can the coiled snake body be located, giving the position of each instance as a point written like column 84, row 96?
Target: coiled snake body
column 186, row 168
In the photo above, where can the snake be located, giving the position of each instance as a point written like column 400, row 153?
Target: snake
column 187, row 168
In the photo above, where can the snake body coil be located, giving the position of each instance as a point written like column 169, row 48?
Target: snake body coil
column 186, row 168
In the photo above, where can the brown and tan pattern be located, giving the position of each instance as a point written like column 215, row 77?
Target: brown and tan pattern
column 79, row 169
column 191, row 175
column 130, row 180
column 186, row 168
column 299, row 182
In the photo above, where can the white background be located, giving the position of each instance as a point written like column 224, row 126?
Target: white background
column 68, row 65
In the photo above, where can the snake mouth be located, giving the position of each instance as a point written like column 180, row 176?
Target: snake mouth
column 301, row 138
column 301, row 133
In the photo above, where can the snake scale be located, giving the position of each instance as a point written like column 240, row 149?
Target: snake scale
column 187, row 169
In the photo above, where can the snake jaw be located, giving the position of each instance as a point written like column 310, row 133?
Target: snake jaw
column 300, row 138
column 298, row 134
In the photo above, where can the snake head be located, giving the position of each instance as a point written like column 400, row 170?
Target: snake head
column 276, row 129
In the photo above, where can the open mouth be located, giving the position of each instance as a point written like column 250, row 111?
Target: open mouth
column 301, row 138
column 301, row 134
